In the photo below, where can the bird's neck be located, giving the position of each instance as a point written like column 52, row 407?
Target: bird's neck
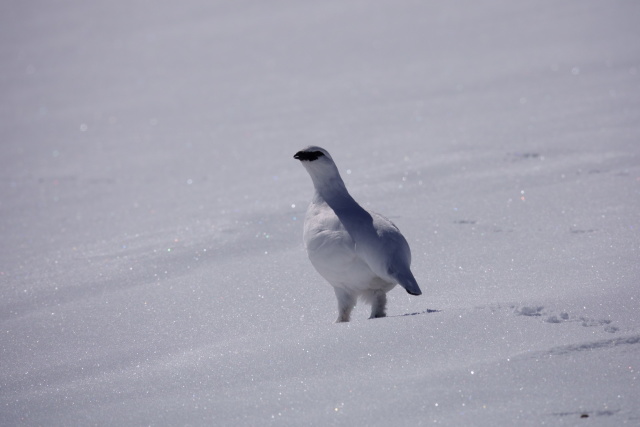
column 356, row 220
column 331, row 190
column 334, row 193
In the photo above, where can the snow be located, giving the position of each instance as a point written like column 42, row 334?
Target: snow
column 152, row 270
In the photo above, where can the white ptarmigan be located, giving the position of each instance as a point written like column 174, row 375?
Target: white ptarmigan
column 361, row 254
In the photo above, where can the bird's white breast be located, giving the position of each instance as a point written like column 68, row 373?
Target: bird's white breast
column 332, row 250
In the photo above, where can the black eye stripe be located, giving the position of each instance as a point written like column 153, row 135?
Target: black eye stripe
column 308, row 156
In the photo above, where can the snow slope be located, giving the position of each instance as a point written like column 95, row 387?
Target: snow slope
column 151, row 264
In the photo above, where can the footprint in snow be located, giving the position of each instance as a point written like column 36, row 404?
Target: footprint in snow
column 529, row 311
column 586, row 414
column 538, row 311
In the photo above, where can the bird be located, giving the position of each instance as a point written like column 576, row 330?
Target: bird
column 362, row 254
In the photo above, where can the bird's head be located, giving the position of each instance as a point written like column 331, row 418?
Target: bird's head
column 318, row 162
column 312, row 154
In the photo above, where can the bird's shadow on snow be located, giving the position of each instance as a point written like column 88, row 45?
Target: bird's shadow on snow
column 427, row 311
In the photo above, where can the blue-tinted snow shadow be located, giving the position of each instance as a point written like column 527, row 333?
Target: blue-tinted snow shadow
column 427, row 311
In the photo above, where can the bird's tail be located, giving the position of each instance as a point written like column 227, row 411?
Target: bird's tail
column 408, row 282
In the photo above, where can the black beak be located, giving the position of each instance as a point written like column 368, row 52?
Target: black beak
column 308, row 156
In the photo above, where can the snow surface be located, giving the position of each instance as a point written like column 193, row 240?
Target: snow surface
column 152, row 270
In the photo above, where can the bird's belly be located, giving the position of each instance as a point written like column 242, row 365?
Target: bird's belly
column 343, row 268
column 332, row 252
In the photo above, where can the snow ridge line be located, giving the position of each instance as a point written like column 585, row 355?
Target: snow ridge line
column 587, row 346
